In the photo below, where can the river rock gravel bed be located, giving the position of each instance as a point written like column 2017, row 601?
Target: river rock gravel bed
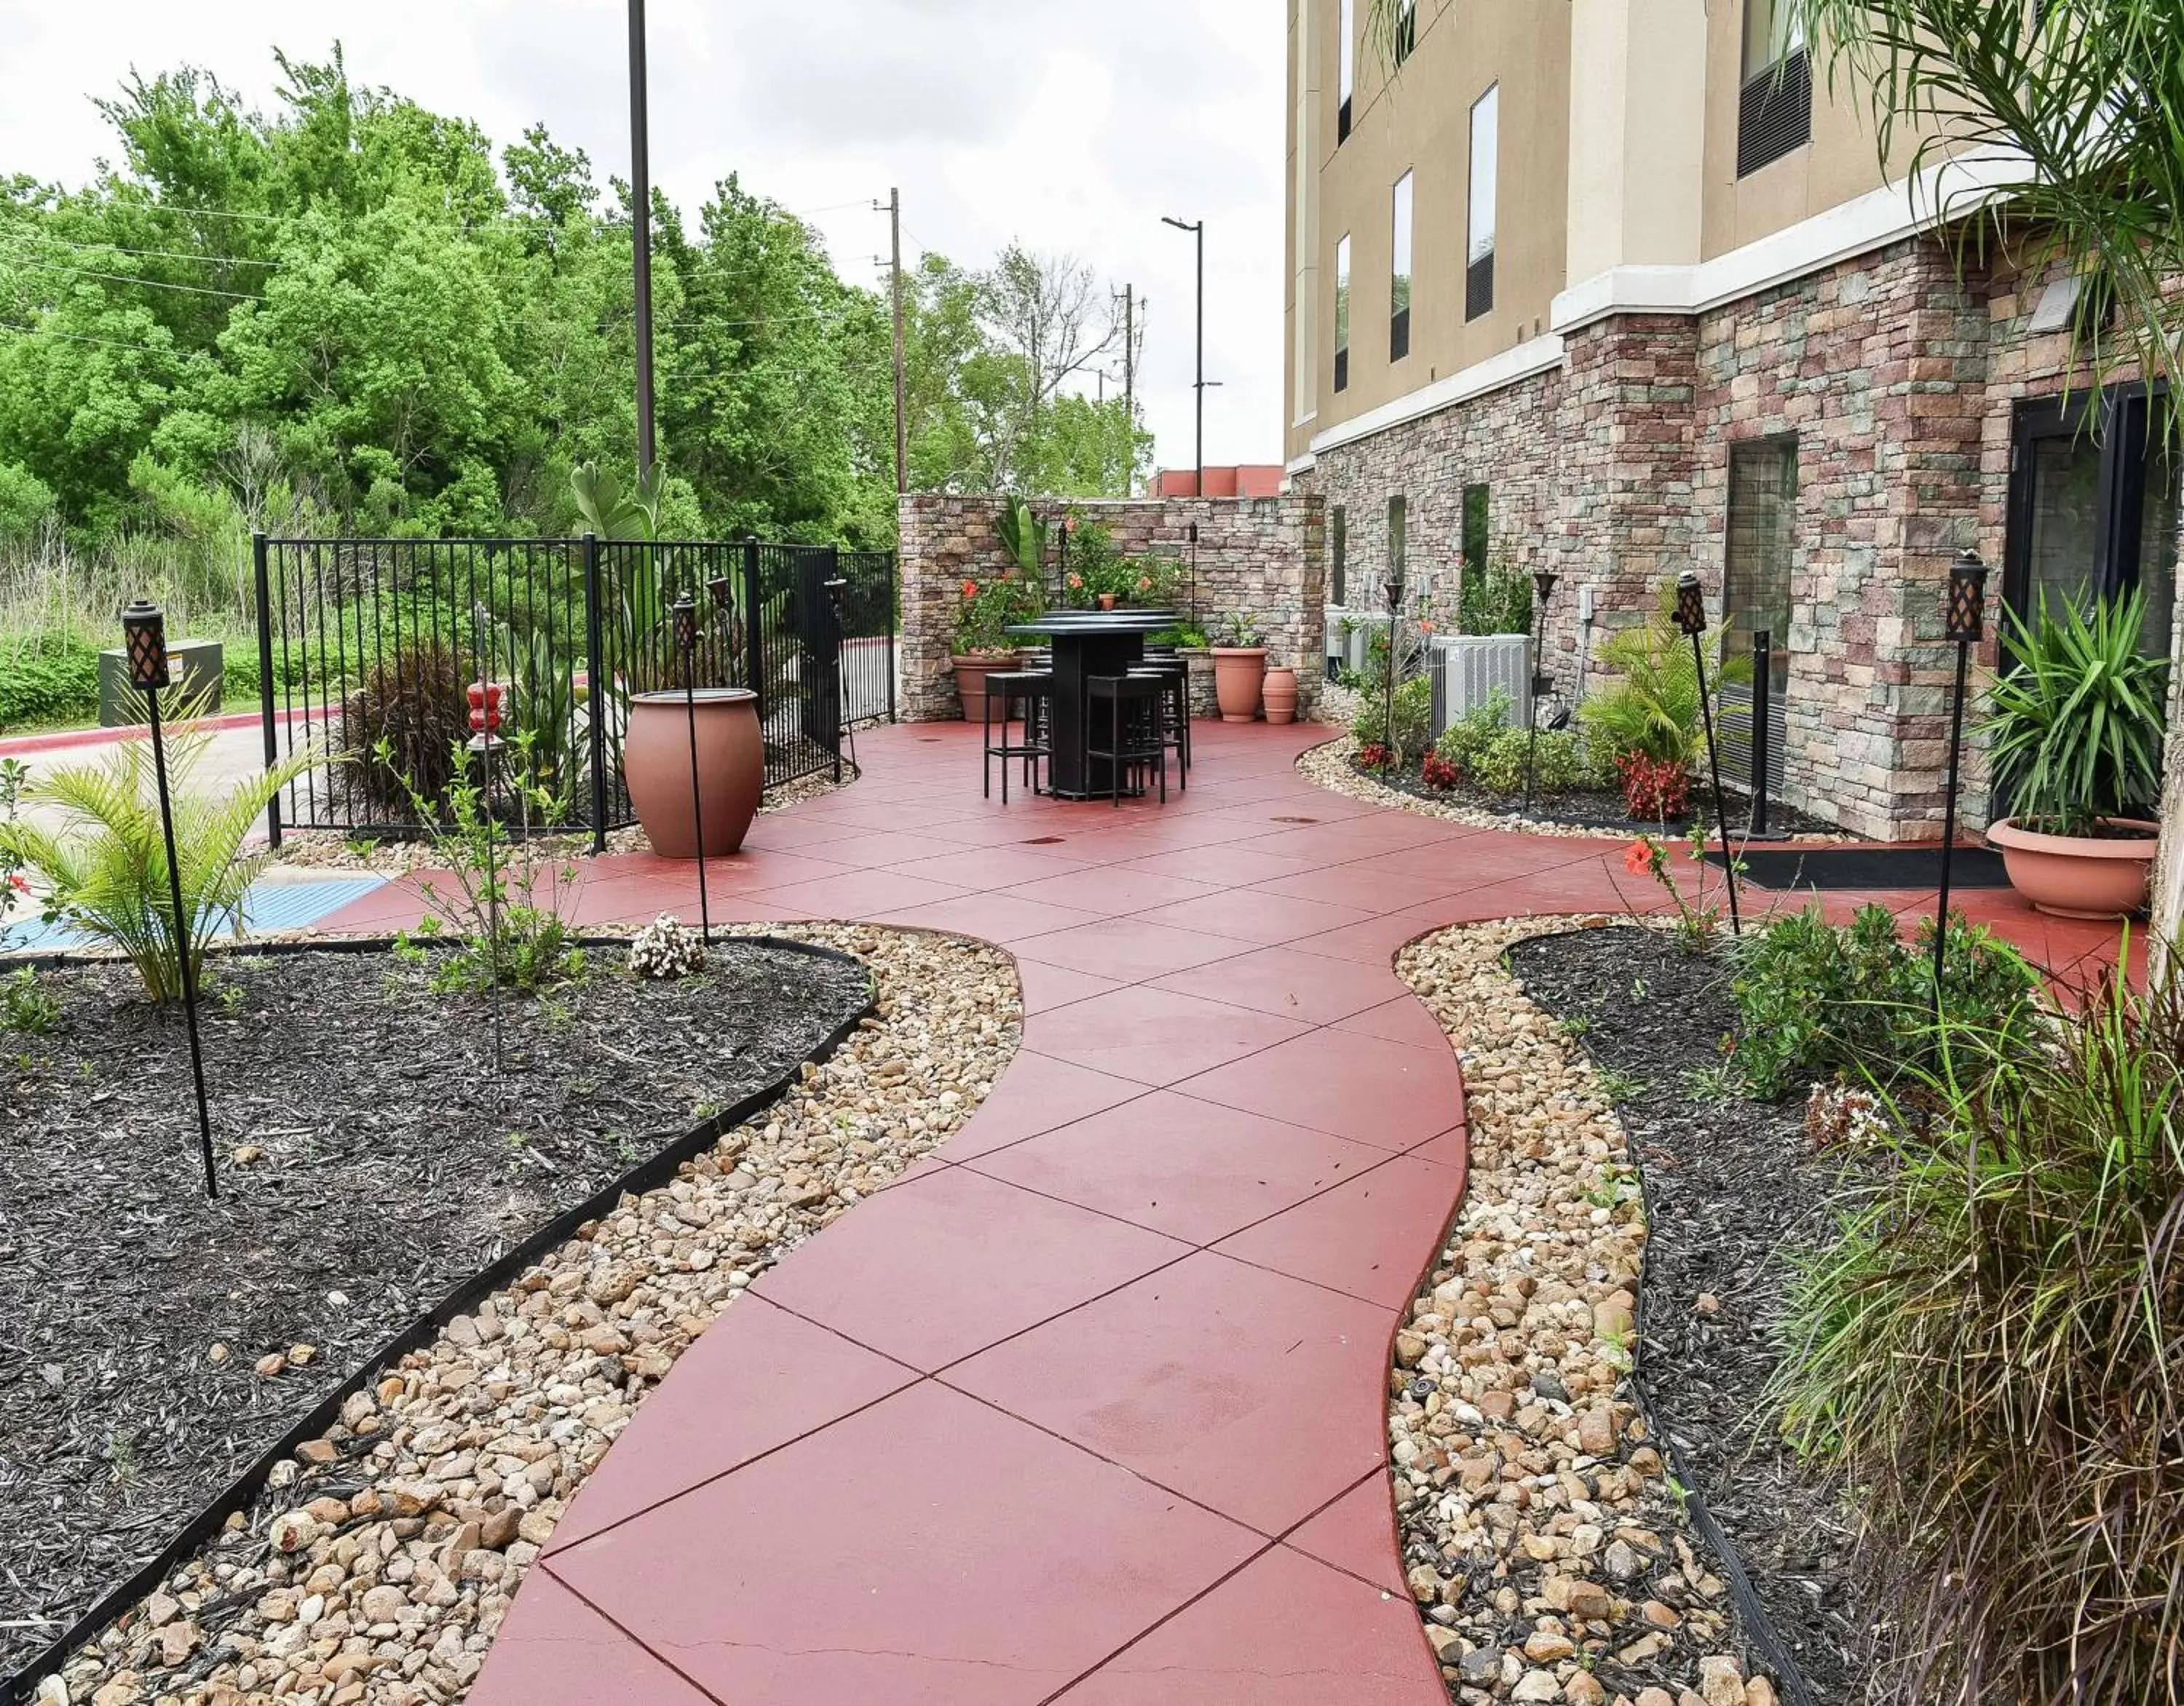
column 1541, row 1534
column 378, row 1565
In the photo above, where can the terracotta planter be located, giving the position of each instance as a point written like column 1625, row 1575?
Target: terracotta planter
column 1107, row 601
column 971, row 674
column 2079, row 876
column 1281, row 695
column 731, row 769
column 1239, row 672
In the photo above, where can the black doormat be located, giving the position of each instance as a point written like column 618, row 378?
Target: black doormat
column 1841, row 867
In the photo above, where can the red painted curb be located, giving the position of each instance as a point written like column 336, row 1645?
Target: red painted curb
column 61, row 739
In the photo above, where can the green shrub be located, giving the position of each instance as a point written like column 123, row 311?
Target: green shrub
column 1987, row 1359
column 1406, row 737
column 1463, row 739
column 1814, row 998
column 1500, row 768
column 25, row 1005
column 1496, row 599
column 49, row 678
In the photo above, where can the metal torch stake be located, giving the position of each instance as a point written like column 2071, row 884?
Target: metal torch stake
column 1949, row 821
column 183, row 944
column 1714, row 763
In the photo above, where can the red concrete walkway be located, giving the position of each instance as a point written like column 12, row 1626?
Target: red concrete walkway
column 1091, row 1406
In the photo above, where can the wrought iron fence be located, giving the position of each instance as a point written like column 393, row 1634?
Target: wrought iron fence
column 375, row 649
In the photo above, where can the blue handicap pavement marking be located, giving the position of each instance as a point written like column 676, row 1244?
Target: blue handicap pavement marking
column 267, row 908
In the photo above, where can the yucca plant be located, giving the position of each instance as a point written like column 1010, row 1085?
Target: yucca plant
column 1989, row 1357
column 104, row 873
column 2079, row 718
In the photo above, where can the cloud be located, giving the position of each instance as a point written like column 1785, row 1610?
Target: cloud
column 1068, row 128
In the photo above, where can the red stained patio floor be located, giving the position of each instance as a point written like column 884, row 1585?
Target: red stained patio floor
column 1091, row 1407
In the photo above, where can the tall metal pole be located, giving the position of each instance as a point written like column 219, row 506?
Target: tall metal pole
column 686, row 641
column 1130, row 353
column 901, row 384
column 1198, row 228
column 1691, row 617
column 1966, row 626
column 640, row 185
column 183, row 945
column 1199, row 490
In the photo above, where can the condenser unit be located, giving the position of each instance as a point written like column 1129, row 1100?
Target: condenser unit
column 1466, row 669
column 1349, row 636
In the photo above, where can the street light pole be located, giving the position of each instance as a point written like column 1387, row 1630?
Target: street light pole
column 640, row 187
column 1198, row 228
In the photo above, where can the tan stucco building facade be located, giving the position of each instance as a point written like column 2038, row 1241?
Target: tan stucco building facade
column 1660, row 305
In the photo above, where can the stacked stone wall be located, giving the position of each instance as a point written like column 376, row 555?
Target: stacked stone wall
column 1263, row 557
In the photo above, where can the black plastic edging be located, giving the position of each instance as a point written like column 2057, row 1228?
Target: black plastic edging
column 646, row 1175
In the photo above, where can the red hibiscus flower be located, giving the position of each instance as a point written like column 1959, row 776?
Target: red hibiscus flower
column 1638, row 857
column 970, row 589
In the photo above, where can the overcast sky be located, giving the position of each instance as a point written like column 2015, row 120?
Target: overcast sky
column 1071, row 126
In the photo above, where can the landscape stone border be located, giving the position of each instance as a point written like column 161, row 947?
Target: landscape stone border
column 376, row 1550
column 1543, row 1532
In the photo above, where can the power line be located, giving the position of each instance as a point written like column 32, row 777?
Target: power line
column 83, row 337
column 34, row 235
column 149, row 283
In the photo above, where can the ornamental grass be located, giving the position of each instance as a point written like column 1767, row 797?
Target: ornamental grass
column 1989, row 1357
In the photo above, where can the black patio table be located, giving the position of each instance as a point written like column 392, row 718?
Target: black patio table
column 1087, row 643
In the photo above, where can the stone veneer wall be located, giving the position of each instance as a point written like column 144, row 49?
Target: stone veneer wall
column 1899, row 379
column 1264, row 556
column 1504, row 439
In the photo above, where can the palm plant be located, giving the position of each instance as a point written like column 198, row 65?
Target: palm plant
column 2078, row 720
column 1653, row 704
column 103, row 871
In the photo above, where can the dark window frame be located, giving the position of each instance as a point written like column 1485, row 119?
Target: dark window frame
column 1478, row 524
column 2121, row 417
column 1774, row 104
column 1338, row 556
column 1406, row 30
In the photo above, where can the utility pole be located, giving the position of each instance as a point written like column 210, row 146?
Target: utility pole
column 640, row 185
column 901, row 421
column 1130, row 352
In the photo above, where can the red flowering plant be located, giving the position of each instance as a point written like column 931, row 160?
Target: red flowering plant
column 1656, row 790
column 1438, row 772
column 1697, row 918
column 1376, row 757
column 986, row 611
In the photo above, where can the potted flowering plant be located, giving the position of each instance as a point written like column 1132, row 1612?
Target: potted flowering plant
column 983, row 616
column 1239, row 667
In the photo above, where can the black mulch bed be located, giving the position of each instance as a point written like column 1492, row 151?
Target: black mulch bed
column 1733, row 1192
column 1593, row 808
column 395, row 1166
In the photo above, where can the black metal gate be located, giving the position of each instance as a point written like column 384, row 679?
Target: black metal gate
column 373, row 648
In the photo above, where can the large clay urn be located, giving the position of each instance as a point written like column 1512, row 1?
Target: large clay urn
column 1238, row 673
column 731, row 768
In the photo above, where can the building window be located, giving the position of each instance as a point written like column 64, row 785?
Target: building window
column 1759, row 548
column 1399, row 303
column 1339, row 557
column 1486, row 172
column 1475, row 527
column 1342, row 315
column 1774, row 109
column 1346, row 55
column 1399, row 548
column 1406, row 29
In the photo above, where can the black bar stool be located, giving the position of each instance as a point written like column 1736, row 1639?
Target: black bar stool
column 1136, row 743
column 1033, row 691
column 1175, row 675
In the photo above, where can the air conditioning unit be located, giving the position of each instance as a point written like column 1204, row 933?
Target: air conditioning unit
column 1467, row 668
column 1349, row 636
